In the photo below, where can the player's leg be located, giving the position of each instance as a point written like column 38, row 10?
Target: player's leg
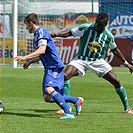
column 66, row 92
column 77, row 101
column 121, row 91
column 70, row 71
column 52, row 85
column 73, row 69
column 102, row 69
column 59, row 100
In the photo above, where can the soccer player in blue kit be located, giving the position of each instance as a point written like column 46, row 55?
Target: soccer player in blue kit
column 53, row 80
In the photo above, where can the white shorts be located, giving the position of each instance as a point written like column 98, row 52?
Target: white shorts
column 99, row 67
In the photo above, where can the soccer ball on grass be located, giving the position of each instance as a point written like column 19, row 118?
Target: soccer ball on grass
column 1, row 107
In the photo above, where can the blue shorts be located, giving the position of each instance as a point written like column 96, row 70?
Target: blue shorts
column 54, row 78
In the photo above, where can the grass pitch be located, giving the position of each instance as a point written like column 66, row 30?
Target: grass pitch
column 26, row 112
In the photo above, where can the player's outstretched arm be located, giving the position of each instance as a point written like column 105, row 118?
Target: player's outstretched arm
column 64, row 33
column 120, row 56
column 30, row 61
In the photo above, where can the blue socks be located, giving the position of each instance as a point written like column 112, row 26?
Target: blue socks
column 70, row 99
column 58, row 98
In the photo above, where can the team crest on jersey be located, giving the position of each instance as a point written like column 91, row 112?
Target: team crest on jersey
column 94, row 46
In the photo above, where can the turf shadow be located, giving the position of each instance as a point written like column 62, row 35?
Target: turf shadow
column 44, row 113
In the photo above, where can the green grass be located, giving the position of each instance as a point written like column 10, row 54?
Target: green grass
column 26, row 112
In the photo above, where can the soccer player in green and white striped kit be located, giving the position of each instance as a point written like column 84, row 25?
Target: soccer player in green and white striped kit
column 95, row 38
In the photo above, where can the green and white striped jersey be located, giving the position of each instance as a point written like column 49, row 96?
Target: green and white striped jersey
column 93, row 45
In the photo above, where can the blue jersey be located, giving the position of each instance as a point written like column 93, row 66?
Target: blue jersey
column 50, row 59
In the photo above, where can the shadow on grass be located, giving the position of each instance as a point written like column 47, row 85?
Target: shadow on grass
column 103, row 112
column 44, row 113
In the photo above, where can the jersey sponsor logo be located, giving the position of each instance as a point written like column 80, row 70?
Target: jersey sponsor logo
column 94, row 46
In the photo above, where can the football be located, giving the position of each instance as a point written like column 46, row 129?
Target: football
column 1, row 107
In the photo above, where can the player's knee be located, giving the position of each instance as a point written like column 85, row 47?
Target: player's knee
column 70, row 71
column 66, row 76
column 47, row 98
column 116, row 83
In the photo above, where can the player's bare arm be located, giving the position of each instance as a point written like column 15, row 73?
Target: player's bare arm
column 39, row 51
column 64, row 33
column 119, row 55
column 30, row 61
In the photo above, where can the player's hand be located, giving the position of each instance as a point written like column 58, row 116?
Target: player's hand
column 53, row 34
column 19, row 58
column 26, row 64
column 130, row 67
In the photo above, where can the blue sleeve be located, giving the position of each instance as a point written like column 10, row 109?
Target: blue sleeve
column 43, row 34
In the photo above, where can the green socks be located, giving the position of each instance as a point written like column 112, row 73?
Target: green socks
column 67, row 90
column 123, row 96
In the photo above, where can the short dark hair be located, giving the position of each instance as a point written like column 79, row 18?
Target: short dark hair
column 103, row 17
column 33, row 18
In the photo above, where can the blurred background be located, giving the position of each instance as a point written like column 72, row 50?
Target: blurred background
column 57, row 15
